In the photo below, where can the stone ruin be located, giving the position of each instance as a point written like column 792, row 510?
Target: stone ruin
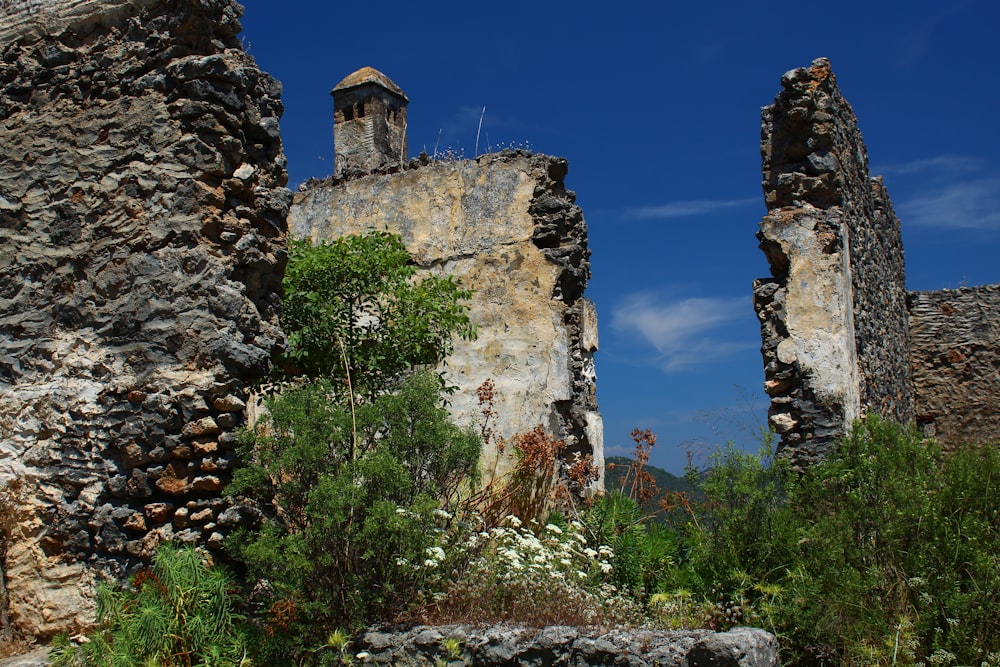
column 841, row 336
column 143, row 224
column 142, row 221
column 503, row 224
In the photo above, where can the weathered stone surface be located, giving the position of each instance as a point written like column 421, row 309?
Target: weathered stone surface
column 142, row 208
column 565, row 645
column 36, row 658
column 31, row 19
column 840, row 334
column 505, row 225
column 955, row 352
column 833, row 319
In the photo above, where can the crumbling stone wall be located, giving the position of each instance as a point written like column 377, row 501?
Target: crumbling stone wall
column 568, row 645
column 955, row 353
column 507, row 227
column 833, row 317
column 841, row 336
column 142, row 227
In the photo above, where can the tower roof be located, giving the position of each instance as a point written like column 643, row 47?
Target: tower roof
column 367, row 75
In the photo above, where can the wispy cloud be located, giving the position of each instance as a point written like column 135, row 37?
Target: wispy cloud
column 680, row 331
column 969, row 205
column 684, row 209
column 939, row 164
column 915, row 42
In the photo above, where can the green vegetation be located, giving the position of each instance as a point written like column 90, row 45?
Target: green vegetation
column 352, row 507
column 352, row 464
column 885, row 554
column 177, row 613
column 354, row 311
column 665, row 481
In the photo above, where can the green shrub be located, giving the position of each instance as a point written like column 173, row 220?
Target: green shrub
column 178, row 613
column 644, row 551
column 351, row 502
column 883, row 554
column 356, row 453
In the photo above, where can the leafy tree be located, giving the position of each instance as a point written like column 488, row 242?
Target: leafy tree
column 354, row 309
column 351, row 461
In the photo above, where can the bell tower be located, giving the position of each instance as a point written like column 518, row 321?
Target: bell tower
column 369, row 122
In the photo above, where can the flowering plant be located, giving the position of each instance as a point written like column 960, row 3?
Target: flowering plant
column 530, row 574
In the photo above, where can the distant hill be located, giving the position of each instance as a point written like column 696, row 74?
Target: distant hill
column 617, row 466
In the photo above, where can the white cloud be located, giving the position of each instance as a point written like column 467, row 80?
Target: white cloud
column 968, row 205
column 938, row 164
column 683, row 209
column 680, row 330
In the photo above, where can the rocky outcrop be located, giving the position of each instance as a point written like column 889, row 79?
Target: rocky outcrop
column 142, row 227
column 833, row 316
column 565, row 645
column 507, row 227
column 955, row 352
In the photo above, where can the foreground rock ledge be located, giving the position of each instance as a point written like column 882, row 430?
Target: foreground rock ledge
column 569, row 645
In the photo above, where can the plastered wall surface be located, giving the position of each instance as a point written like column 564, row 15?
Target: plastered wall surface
column 507, row 228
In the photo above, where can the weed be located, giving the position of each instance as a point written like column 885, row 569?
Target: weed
column 179, row 612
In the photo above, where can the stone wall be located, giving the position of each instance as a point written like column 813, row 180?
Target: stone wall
column 841, row 336
column 32, row 19
column 955, row 352
column 506, row 226
column 565, row 645
column 142, row 227
column 832, row 314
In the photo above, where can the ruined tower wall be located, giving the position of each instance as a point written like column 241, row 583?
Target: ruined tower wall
column 955, row 354
column 142, row 209
column 506, row 226
column 833, row 317
column 367, row 142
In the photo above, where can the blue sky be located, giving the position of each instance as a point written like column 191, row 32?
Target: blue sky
column 656, row 105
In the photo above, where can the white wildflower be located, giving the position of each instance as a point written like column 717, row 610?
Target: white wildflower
column 553, row 528
column 533, row 544
column 589, row 553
